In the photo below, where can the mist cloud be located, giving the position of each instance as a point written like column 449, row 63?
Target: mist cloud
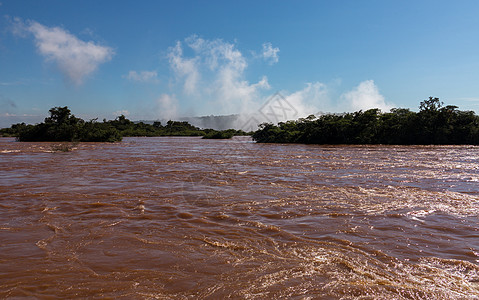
column 167, row 107
column 366, row 96
column 212, row 73
column 315, row 98
column 185, row 69
column 215, row 71
column 75, row 58
column 311, row 99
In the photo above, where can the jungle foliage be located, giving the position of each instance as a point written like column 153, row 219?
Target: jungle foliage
column 433, row 124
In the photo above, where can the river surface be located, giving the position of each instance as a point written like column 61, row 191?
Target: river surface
column 186, row 218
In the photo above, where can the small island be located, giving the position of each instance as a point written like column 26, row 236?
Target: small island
column 434, row 124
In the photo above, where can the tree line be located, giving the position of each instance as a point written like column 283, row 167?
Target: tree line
column 433, row 124
column 62, row 126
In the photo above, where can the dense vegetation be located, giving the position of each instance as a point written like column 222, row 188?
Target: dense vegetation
column 172, row 128
column 63, row 126
column 223, row 134
column 433, row 124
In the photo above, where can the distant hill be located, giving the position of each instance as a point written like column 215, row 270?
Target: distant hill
column 247, row 122
column 213, row 122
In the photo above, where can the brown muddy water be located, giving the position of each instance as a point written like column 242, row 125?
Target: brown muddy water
column 185, row 218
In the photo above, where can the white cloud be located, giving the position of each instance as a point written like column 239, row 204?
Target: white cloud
column 167, row 107
column 185, row 69
column 315, row 98
column 75, row 58
column 18, row 27
column 365, row 96
column 214, row 75
column 143, row 76
column 310, row 100
column 283, row 106
column 215, row 72
column 270, row 54
column 217, row 53
column 233, row 93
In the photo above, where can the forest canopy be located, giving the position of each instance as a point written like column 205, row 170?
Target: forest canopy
column 433, row 124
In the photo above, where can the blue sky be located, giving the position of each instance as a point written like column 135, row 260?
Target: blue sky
column 167, row 59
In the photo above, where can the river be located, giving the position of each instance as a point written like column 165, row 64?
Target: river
column 186, row 218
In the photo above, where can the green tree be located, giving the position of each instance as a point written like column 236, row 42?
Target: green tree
column 432, row 104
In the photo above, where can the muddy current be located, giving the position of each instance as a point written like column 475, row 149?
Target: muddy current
column 186, row 218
